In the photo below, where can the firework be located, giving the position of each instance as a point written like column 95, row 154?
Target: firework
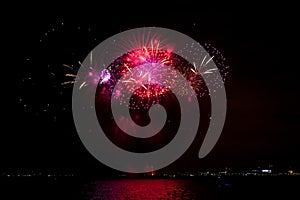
column 148, row 74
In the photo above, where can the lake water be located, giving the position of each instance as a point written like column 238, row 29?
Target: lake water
column 203, row 188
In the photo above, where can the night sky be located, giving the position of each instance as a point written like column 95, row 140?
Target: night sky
column 262, row 124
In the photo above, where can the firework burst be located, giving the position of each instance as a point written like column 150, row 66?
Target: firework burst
column 148, row 73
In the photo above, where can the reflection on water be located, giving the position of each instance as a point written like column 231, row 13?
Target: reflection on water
column 146, row 189
column 232, row 187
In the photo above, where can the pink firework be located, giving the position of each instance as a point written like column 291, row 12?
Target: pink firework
column 147, row 73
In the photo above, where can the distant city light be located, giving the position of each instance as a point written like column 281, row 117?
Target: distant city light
column 266, row 171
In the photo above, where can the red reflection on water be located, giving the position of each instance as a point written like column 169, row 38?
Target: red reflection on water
column 143, row 189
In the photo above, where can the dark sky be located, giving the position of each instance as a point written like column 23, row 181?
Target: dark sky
column 262, row 124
